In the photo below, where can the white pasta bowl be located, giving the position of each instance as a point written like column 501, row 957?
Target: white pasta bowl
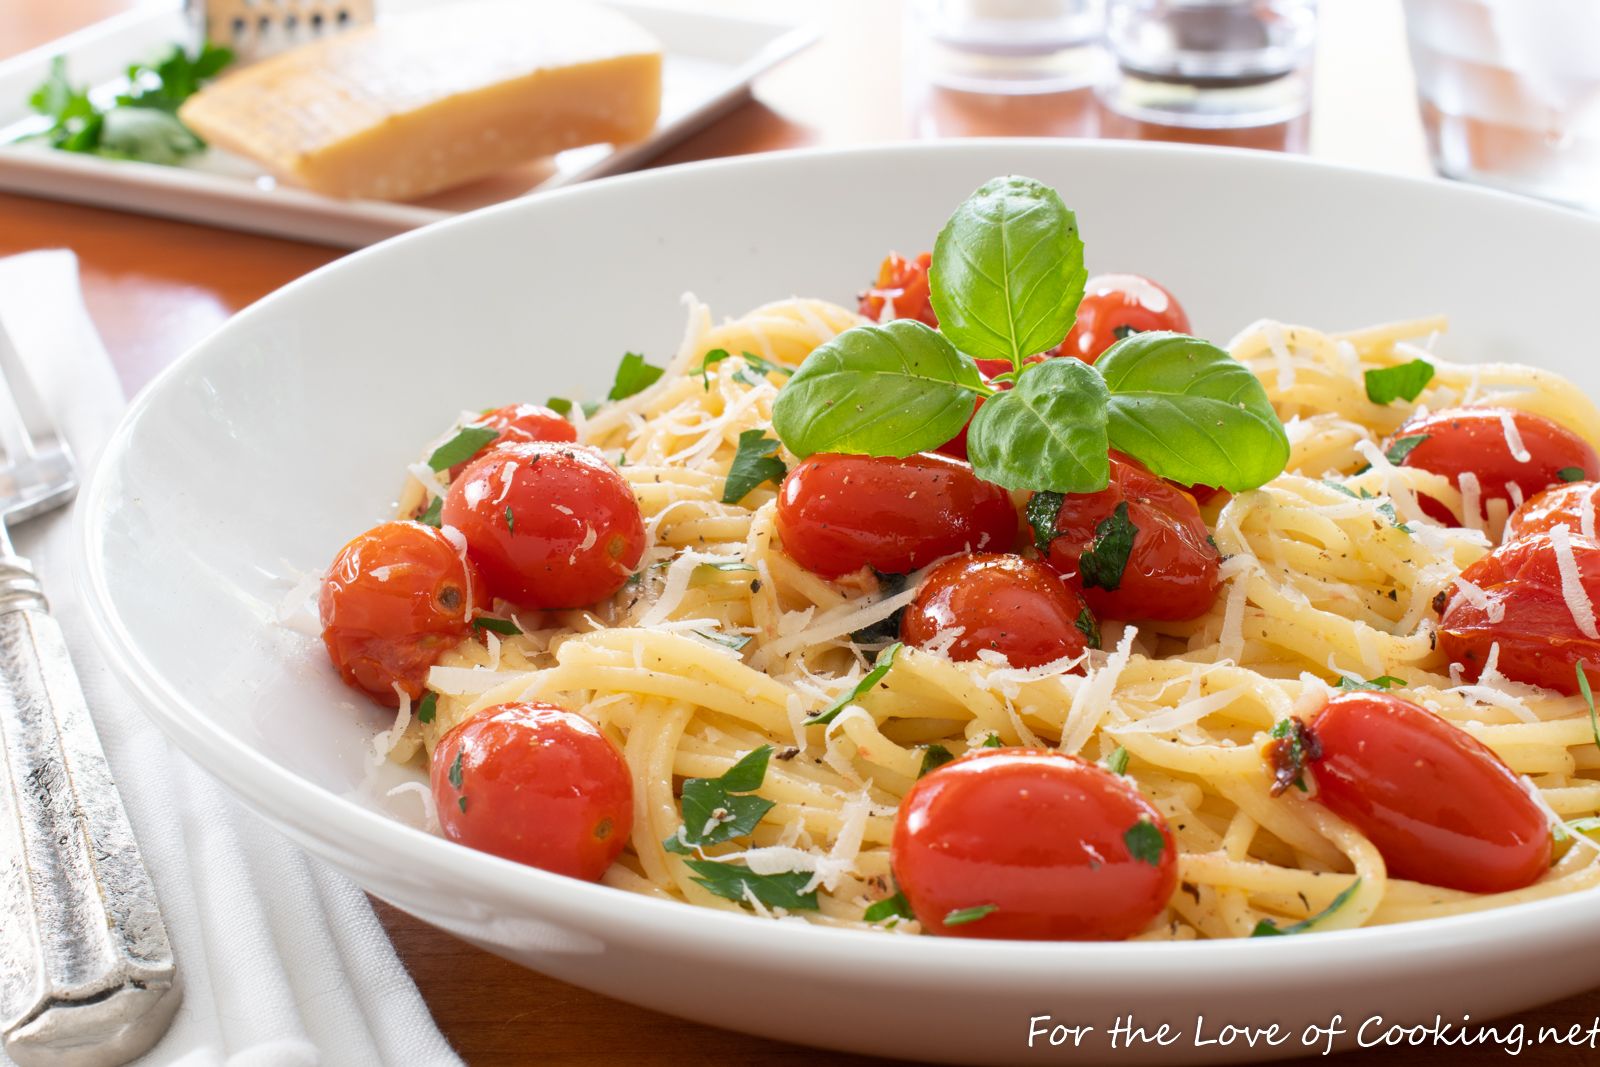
column 270, row 444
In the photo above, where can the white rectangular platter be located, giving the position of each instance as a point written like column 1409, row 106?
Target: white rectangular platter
column 709, row 61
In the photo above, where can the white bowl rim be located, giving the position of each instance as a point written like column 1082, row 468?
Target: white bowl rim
column 328, row 817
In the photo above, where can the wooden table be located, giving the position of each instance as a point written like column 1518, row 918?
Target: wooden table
column 155, row 287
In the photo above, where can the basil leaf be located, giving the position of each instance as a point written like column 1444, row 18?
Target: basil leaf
column 1384, row 681
column 890, row 390
column 454, row 773
column 431, row 517
column 880, row 667
column 1268, row 928
column 1089, row 626
column 1007, row 271
column 1041, row 513
column 732, row 882
column 962, row 916
column 1406, row 381
column 1049, row 432
column 634, row 375
column 467, row 442
column 1397, row 452
column 1117, row 762
column 733, row 641
column 717, row 355
column 499, row 626
column 753, row 464
column 1103, row 562
column 560, row 405
column 992, row 741
column 887, row 627
column 1588, row 698
column 934, row 757
column 712, row 814
column 1191, row 412
column 895, row 907
column 1145, row 842
column 1570, row 474
column 428, row 707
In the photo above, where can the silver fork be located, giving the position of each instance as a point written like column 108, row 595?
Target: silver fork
column 87, row 976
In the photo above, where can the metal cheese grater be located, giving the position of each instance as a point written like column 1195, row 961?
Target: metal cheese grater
column 255, row 29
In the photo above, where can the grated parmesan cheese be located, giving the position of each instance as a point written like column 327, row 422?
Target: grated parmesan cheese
column 1273, row 332
column 1471, row 501
column 384, row 742
column 1572, row 590
column 1493, row 608
column 1508, row 424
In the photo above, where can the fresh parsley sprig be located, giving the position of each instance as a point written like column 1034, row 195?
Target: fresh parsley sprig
column 1006, row 279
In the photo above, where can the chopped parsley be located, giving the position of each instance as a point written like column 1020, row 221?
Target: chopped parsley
column 1145, row 842
column 934, row 757
column 880, row 668
column 895, row 907
column 733, row 882
column 1397, row 452
column 511, row 521
column 428, row 707
column 1405, row 381
column 499, row 626
column 718, row 809
column 1117, row 762
column 962, row 916
column 992, row 741
column 1570, row 474
column 1089, row 627
column 634, row 375
column 466, row 443
column 1268, row 928
column 755, row 462
column 1041, row 514
column 733, row 641
column 1105, row 559
column 1292, row 745
column 717, row 355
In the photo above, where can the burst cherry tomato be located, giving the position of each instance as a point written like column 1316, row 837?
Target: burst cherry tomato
column 1440, row 807
column 520, row 422
column 1017, row 607
column 1475, row 441
column 1171, row 570
column 839, row 513
column 1115, row 305
column 1523, row 608
column 536, row 784
column 396, row 599
column 549, row 525
column 1058, row 848
column 902, row 288
column 1568, row 504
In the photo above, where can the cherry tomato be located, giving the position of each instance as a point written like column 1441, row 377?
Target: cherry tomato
column 1060, row 849
column 1115, row 305
column 1440, row 807
column 396, row 599
column 902, row 287
column 957, row 445
column 839, row 513
column 537, row 784
column 549, row 525
column 520, row 422
column 1523, row 609
column 1474, row 440
column 1171, row 571
column 1559, row 504
column 1017, row 607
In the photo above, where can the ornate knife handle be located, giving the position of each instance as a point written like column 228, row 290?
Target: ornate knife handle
column 87, row 976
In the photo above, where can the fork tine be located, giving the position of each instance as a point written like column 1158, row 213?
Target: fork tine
column 38, row 473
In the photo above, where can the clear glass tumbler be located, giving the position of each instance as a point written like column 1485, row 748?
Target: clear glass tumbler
column 1510, row 93
column 1210, row 64
column 1010, row 46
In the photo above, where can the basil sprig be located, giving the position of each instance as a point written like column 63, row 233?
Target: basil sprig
column 1007, row 271
column 1006, row 279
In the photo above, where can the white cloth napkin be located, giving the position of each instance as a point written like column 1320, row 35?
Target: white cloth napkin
column 283, row 962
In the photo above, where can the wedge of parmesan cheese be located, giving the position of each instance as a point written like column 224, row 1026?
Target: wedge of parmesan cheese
column 431, row 99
